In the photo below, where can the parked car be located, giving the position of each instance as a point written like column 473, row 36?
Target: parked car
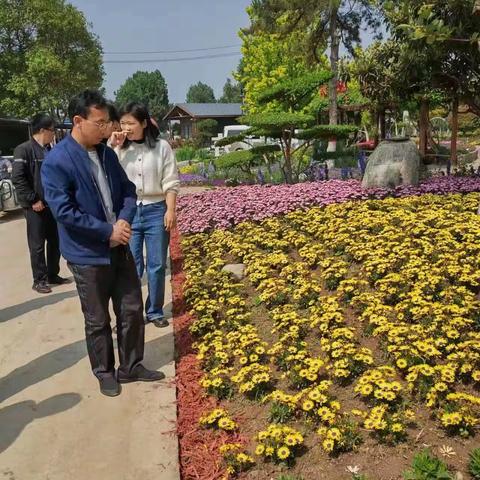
column 13, row 132
column 233, row 131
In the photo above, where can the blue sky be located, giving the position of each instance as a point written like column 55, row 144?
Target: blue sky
column 166, row 25
column 155, row 25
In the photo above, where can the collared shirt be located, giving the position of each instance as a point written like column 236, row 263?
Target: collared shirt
column 102, row 183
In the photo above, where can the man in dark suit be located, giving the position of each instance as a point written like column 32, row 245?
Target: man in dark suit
column 41, row 226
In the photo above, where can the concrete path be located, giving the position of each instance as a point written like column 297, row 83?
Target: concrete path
column 54, row 423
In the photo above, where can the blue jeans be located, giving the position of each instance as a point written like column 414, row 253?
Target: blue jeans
column 148, row 226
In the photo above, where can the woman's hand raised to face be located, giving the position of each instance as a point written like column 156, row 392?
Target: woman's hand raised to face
column 117, row 139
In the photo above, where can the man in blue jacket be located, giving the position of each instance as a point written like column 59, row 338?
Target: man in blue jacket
column 94, row 204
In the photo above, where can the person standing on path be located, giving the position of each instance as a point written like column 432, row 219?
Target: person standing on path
column 41, row 226
column 150, row 164
column 94, row 204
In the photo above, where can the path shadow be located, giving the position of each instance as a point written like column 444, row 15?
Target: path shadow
column 159, row 351
column 14, row 418
column 42, row 368
column 11, row 215
column 15, row 311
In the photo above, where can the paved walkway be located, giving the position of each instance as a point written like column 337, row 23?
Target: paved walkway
column 54, row 423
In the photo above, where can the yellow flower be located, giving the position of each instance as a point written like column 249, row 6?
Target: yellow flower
column 226, row 424
column 290, row 440
column 334, row 434
column 307, row 405
column 283, row 452
column 397, row 427
column 328, row 445
column 260, row 450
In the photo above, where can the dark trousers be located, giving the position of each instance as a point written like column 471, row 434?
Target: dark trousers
column 96, row 285
column 41, row 228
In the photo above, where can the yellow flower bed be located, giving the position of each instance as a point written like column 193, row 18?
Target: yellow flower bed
column 371, row 304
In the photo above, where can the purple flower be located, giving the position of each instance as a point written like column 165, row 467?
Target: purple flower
column 225, row 207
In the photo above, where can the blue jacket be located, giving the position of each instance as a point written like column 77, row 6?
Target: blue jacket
column 75, row 201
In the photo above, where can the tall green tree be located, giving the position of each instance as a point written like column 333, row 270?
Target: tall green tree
column 294, row 98
column 47, row 54
column 232, row 92
column 446, row 34
column 327, row 24
column 381, row 71
column 205, row 130
column 268, row 59
column 149, row 88
column 200, row 93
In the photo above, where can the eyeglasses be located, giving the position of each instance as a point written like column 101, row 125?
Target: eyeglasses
column 100, row 125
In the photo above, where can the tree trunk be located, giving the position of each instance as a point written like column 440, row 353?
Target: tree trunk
column 453, row 144
column 382, row 125
column 376, row 133
column 424, row 121
column 288, row 158
column 332, row 87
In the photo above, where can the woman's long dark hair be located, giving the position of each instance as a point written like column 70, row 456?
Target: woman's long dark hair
column 139, row 112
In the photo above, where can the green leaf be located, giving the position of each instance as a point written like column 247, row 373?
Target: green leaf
column 327, row 132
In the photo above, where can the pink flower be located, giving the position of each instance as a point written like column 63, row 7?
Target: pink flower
column 225, row 207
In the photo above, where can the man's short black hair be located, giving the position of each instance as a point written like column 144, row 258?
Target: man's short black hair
column 81, row 103
column 113, row 112
column 42, row 120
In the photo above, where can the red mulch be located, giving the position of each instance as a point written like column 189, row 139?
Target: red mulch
column 199, row 448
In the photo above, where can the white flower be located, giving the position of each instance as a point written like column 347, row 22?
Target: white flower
column 447, row 451
column 353, row 469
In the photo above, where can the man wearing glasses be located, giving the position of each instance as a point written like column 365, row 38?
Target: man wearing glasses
column 41, row 226
column 94, row 204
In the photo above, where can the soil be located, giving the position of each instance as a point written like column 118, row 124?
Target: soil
column 377, row 461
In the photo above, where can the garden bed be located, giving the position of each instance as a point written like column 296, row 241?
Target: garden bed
column 356, row 326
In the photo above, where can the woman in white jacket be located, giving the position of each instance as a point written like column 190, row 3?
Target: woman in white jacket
column 150, row 164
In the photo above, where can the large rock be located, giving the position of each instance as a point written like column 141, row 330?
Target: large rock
column 394, row 162
column 236, row 269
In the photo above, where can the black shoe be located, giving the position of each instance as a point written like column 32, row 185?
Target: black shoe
column 58, row 280
column 160, row 322
column 109, row 386
column 140, row 374
column 41, row 287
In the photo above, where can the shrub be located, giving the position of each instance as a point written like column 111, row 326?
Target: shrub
column 427, row 467
column 474, row 463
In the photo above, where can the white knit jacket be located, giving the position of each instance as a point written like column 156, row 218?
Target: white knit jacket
column 153, row 170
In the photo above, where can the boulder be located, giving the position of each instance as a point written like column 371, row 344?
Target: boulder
column 394, row 162
column 236, row 269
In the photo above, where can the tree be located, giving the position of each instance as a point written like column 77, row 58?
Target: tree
column 232, row 93
column 268, row 58
column 378, row 70
column 47, row 55
column 200, row 93
column 293, row 118
column 149, row 88
column 206, row 129
column 446, row 34
column 328, row 23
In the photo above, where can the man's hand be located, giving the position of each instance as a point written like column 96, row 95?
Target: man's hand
column 121, row 233
column 38, row 206
column 170, row 219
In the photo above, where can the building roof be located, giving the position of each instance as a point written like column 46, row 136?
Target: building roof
column 204, row 110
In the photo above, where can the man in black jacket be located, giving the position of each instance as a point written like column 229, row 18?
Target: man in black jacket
column 41, row 226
